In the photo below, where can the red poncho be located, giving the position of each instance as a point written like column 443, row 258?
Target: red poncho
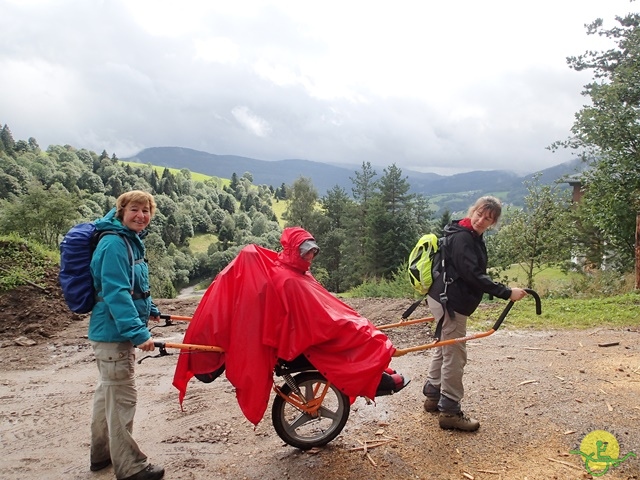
column 264, row 306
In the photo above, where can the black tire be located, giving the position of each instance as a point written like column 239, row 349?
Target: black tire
column 302, row 430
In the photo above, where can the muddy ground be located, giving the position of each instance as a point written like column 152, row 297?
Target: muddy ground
column 536, row 394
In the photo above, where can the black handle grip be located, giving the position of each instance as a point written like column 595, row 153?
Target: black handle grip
column 162, row 353
column 506, row 310
column 167, row 321
column 535, row 295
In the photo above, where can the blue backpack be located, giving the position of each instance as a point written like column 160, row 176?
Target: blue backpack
column 76, row 250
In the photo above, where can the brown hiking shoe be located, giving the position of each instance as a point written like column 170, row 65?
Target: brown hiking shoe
column 459, row 421
column 431, row 405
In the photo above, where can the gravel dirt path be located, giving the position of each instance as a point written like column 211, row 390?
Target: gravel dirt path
column 536, row 394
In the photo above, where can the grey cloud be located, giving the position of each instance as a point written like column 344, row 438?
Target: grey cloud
column 131, row 90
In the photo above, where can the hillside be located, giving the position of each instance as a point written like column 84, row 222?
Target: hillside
column 454, row 192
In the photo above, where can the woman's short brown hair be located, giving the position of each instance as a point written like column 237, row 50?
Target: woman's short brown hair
column 135, row 196
column 487, row 203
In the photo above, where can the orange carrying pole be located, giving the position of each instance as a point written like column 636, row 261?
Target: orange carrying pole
column 403, row 351
column 404, row 323
column 189, row 346
column 177, row 318
column 439, row 343
column 184, row 346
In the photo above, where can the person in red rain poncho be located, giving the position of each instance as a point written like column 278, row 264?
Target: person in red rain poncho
column 266, row 306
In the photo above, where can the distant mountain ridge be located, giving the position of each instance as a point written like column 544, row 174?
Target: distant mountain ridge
column 456, row 189
column 274, row 173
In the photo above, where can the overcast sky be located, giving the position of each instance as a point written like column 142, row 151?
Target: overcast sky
column 443, row 86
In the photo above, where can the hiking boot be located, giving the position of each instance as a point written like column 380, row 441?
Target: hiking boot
column 431, row 405
column 151, row 472
column 458, row 421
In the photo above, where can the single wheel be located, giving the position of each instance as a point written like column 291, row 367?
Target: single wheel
column 306, row 430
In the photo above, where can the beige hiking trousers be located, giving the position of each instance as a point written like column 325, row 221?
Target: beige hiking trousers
column 447, row 363
column 114, row 406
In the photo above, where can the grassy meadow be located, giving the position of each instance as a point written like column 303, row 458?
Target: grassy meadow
column 196, row 177
column 279, row 207
column 616, row 311
column 569, row 300
column 200, row 243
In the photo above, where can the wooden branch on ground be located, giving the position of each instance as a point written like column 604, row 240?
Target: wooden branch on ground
column 566, row 464
column 528, row 381
column 547, row 349
column 371, row 460
column 366, row 445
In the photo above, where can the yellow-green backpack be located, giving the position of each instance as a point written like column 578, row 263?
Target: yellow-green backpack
column 421, row 263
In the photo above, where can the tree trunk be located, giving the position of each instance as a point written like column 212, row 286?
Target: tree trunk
column 637, row 286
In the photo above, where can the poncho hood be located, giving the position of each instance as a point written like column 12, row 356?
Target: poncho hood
column 291, row 240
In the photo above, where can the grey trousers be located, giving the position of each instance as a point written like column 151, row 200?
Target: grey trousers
column 114, row 406
column 448, row 361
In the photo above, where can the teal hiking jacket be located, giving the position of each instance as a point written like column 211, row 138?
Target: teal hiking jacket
column 117, row 316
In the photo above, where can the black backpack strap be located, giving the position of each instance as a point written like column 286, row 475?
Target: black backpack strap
column 411, row 309
column 438, row 333
column 445, row 308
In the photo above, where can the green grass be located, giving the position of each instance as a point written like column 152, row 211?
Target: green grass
column 574, row 301
column 196, row 177
column 279, row 208
column 23, row 261
column 554, row 283
column 545, row 280
column 562, row 313
column 200, row 243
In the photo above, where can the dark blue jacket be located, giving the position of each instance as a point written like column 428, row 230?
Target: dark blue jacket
column 466, row 264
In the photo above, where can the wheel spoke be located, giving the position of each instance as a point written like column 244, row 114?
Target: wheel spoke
column 325, row 412
column 311, row 390
column 301, row 419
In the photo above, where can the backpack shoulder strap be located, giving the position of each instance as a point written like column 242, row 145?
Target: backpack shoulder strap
column 413, row 306
column 129, row 252
column 447, row 279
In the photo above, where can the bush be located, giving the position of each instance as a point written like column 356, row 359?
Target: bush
column 398, row 286
column 23, row 261
column 596, row 284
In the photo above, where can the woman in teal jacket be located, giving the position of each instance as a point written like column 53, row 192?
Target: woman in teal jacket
column 118, row 324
